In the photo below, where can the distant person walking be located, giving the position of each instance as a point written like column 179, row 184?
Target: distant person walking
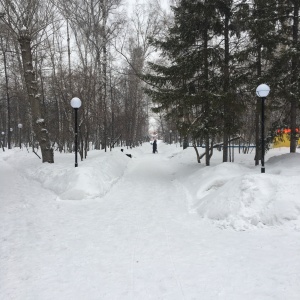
column 154, row 146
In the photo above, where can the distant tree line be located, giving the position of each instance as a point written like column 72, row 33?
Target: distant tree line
column 214, row 55
column 54, row 50
column 197, row 69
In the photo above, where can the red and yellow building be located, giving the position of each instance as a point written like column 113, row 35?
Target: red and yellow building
column 283, row 138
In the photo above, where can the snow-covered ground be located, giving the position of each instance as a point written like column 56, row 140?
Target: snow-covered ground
column 151, row 227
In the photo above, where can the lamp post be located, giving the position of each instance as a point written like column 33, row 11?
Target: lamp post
column 20, row 126
column 170, row 137
column 262, row 91
column 2, row 142
column 76, row 103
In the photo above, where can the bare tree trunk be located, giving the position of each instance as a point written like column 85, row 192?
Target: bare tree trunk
column 104, row 68
column 69, row 57
column 226, row 89
column 39, row 127
column 257, row 110
column 7, row 97
column 197, row 152
column 295, row 75
column 207, row 104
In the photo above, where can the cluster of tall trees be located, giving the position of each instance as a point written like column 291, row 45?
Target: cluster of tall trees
column 215, row 54
column 212, row 56
column 54, row 50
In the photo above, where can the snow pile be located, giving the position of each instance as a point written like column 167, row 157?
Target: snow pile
column 239, row 196
column 233, row 195
column 91, row 179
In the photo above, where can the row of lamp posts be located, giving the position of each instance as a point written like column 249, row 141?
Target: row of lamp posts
column 75, row 103
column 20, row 126
column 262, row 91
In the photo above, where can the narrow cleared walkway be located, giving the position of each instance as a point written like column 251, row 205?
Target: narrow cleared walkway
column 147, row 220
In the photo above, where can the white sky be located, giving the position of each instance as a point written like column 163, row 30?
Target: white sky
column 154, row 226
column 164, row 3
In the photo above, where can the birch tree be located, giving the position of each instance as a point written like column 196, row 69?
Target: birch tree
column 95, row 22
column 28, row 20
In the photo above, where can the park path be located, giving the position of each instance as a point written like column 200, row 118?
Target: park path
column 143, row 222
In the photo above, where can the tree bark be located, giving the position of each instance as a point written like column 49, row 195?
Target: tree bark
column 258, row 109
column 7, row 98
column 226, row 88
column 295, row 75
column 38, row 121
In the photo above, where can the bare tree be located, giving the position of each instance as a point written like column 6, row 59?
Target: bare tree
column 28, row 20
column 146, row 22
column 94, row 24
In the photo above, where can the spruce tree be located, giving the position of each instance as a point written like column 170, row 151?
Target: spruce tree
column 231, row 15
column 286, row 64
column 185, row 87
column 257, row 54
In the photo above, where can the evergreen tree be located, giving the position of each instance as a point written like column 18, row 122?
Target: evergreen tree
column 258, row 53
column 286, row 64
column 185, row 87
column 231, row 15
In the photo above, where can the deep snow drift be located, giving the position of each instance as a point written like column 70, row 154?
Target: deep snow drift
column 151, row 227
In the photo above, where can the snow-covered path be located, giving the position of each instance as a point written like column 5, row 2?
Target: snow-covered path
column 141, row 221
column 137, row 242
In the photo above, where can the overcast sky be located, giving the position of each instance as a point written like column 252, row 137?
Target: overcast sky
column 164, row 3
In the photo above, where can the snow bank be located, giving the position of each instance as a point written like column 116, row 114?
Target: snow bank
column 232, row 195
column 91, row 179
column 239, row 196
